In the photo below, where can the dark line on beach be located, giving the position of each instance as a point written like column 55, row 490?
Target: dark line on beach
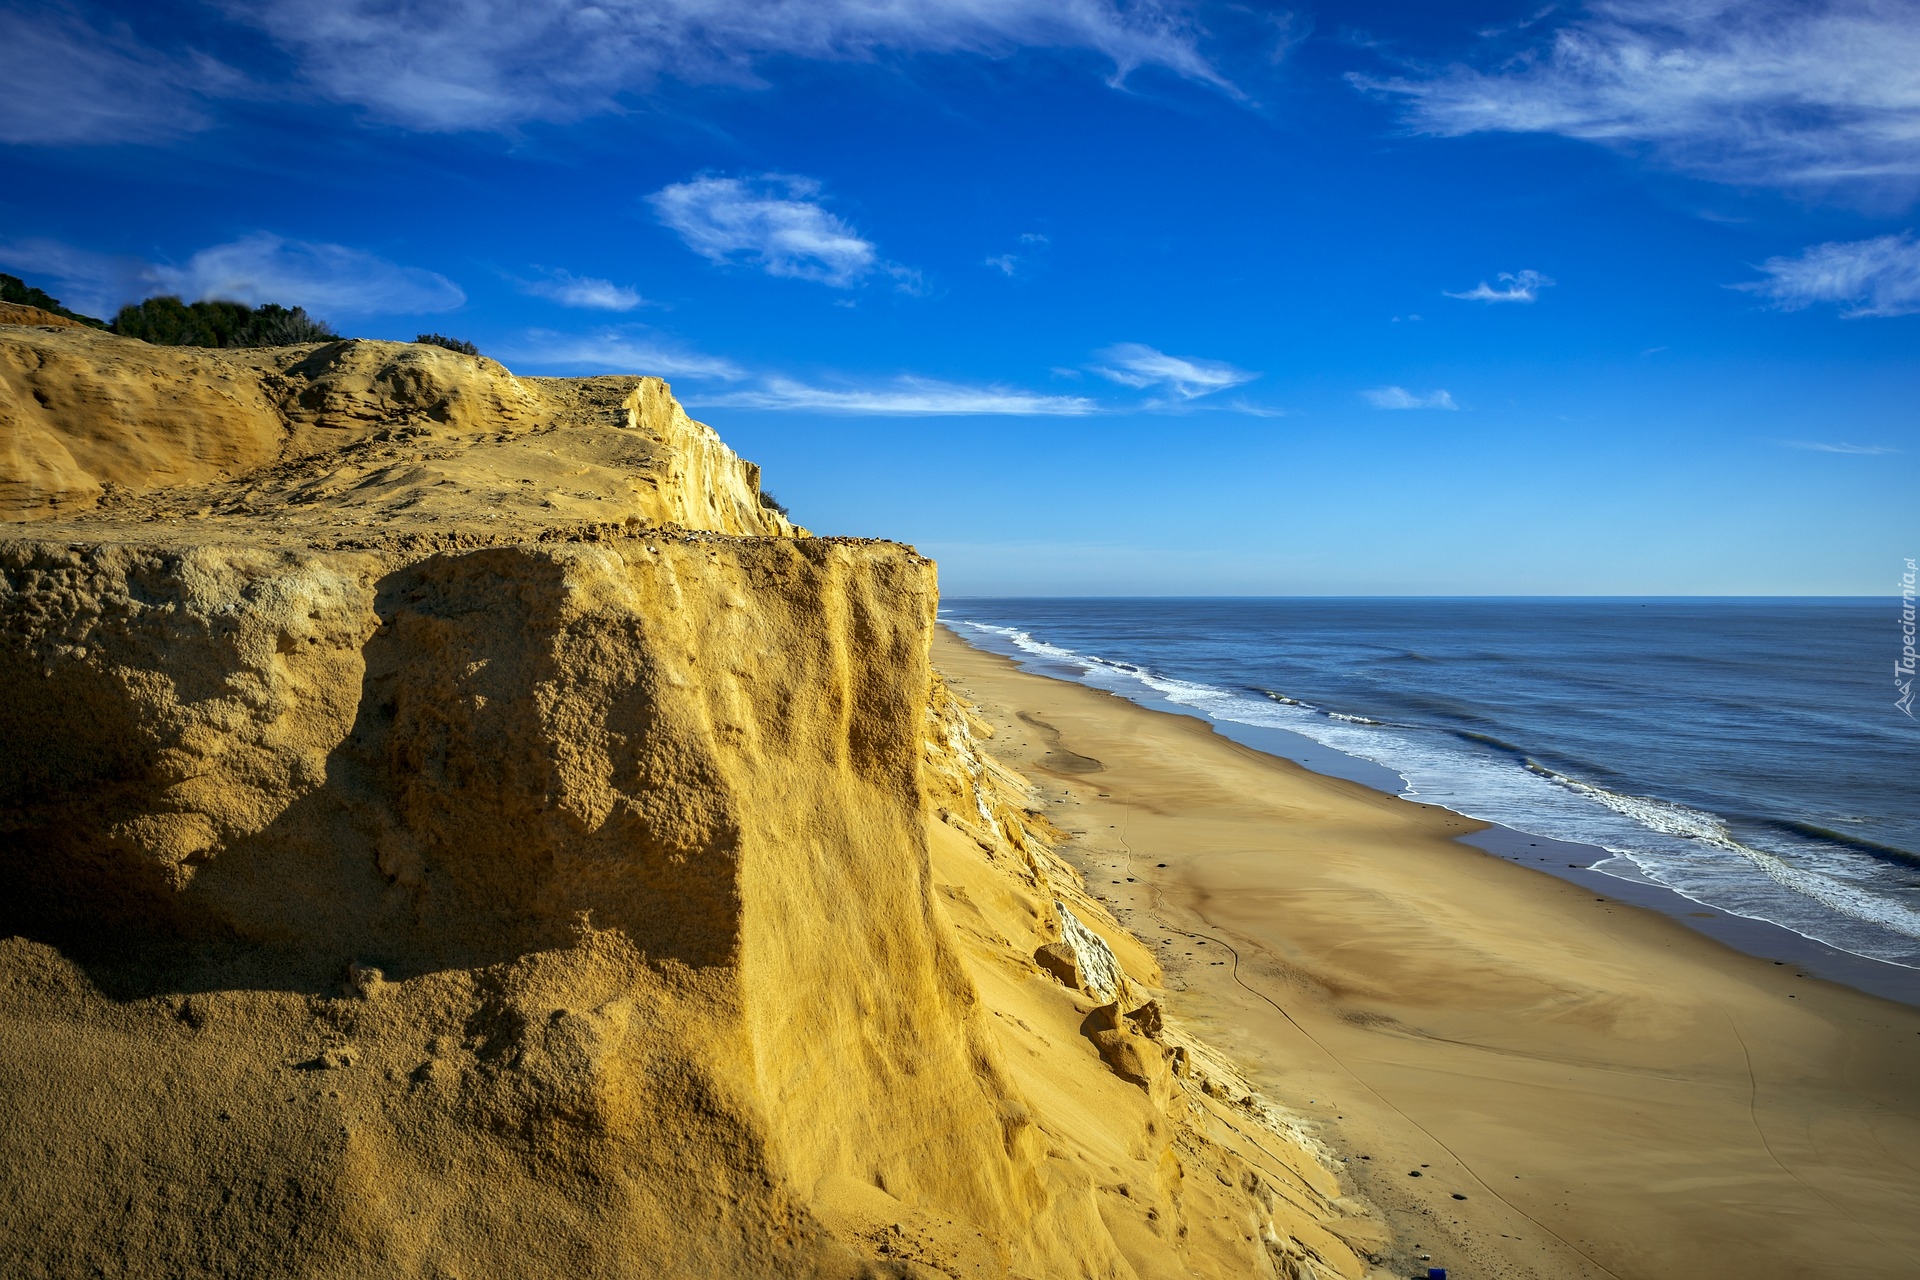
column 1753, row 1114
column 1356, row 1076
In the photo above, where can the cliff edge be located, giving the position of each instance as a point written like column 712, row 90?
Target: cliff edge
column 451, row 826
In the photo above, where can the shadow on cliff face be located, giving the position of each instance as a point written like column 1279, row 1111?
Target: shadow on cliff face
column 189, row 806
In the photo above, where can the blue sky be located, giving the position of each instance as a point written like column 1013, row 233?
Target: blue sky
column 1085, row 297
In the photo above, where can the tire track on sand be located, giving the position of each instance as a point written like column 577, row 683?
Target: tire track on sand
column 1158, row 909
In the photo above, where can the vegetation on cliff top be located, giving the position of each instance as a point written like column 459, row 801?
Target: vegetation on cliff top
column 14, row 289
column 168, row 322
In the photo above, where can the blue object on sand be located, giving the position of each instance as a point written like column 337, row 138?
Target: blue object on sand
column 1436, row 1273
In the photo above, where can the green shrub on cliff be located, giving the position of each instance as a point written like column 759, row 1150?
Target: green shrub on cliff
column 14, row 289
column 168, row 322
column 278, row 326
column 451, row 344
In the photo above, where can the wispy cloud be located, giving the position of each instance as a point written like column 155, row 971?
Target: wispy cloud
column 903, row 397
column 66, row 83
column 1877, row 277
column 1763, row 92
column 1133, row 364
column 93, row 283
column 1401, row 398
column 1516, row 286
column 330, row 279
column 636, row 350
column 1242, row 405
column 1032, row 245
column 327, row 279
column 586, row 292
column 1821, row 446
column 619, row 351
column 774, row 221
column 486, row 64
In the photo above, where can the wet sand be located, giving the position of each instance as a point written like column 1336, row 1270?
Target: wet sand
column 1610, row 1092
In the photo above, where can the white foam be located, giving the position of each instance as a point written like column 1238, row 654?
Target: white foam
column 1697, row 825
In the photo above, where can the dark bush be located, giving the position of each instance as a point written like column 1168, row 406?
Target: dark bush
column 168, row 322
column 14, row 289
column 278, row 326
column 768, row 500
column 451, row 344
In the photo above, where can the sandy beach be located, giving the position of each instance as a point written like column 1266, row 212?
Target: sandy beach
column 1526, row 1077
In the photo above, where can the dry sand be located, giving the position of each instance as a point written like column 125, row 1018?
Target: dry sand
column 1611, row 1093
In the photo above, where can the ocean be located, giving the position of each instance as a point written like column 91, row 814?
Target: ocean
column 1746, row 755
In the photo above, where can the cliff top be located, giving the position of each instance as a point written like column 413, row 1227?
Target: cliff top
column 110, row 439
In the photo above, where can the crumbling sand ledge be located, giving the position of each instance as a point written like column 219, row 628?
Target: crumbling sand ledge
column 450, row 826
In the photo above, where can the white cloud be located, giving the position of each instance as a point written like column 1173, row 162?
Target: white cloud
column 1819, row 446
column 627, row 351
column 1519, row 286
column 1764, row 92
column 327, row 279
column 615, row 351
column 1010, row 264
column 1877, row 277
column 1133, row 364
column 775, row 221
column 1253, row 410
column 63, row 83
column 631, row 351
column 1401, row 398
column 485, row 64
column 906, row 397
column 587, row 292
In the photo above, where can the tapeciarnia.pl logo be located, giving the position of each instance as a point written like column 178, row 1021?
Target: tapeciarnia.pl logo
column 1903, row 667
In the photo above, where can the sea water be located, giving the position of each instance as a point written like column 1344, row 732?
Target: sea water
column 1745, row 754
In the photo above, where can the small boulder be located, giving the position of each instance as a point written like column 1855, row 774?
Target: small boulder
column 1057, row 958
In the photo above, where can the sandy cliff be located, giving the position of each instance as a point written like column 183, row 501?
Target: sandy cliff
column 450, row 826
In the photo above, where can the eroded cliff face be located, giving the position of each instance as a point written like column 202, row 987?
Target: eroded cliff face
column 450, row 827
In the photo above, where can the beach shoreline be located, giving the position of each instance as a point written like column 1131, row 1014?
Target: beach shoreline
column 1527, row 1076
column 1572, row 860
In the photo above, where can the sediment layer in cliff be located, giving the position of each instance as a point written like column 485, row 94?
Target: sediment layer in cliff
column 451, row 826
